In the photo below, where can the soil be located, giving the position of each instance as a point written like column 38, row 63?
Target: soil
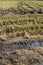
column 22, row 57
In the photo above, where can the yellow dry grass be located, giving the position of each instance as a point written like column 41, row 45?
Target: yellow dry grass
column 8, row 4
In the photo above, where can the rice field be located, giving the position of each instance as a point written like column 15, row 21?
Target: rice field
column 16, row 16
column 21, row 32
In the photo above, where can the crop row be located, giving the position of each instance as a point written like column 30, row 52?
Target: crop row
column 29, row 23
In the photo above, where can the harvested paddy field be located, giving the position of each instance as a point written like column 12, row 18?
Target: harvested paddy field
column 21, row 32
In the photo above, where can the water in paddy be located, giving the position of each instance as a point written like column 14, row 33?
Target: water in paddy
column 21, row 45
column 38, row 63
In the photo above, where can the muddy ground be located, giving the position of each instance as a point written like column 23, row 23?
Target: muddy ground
column 22, row 57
